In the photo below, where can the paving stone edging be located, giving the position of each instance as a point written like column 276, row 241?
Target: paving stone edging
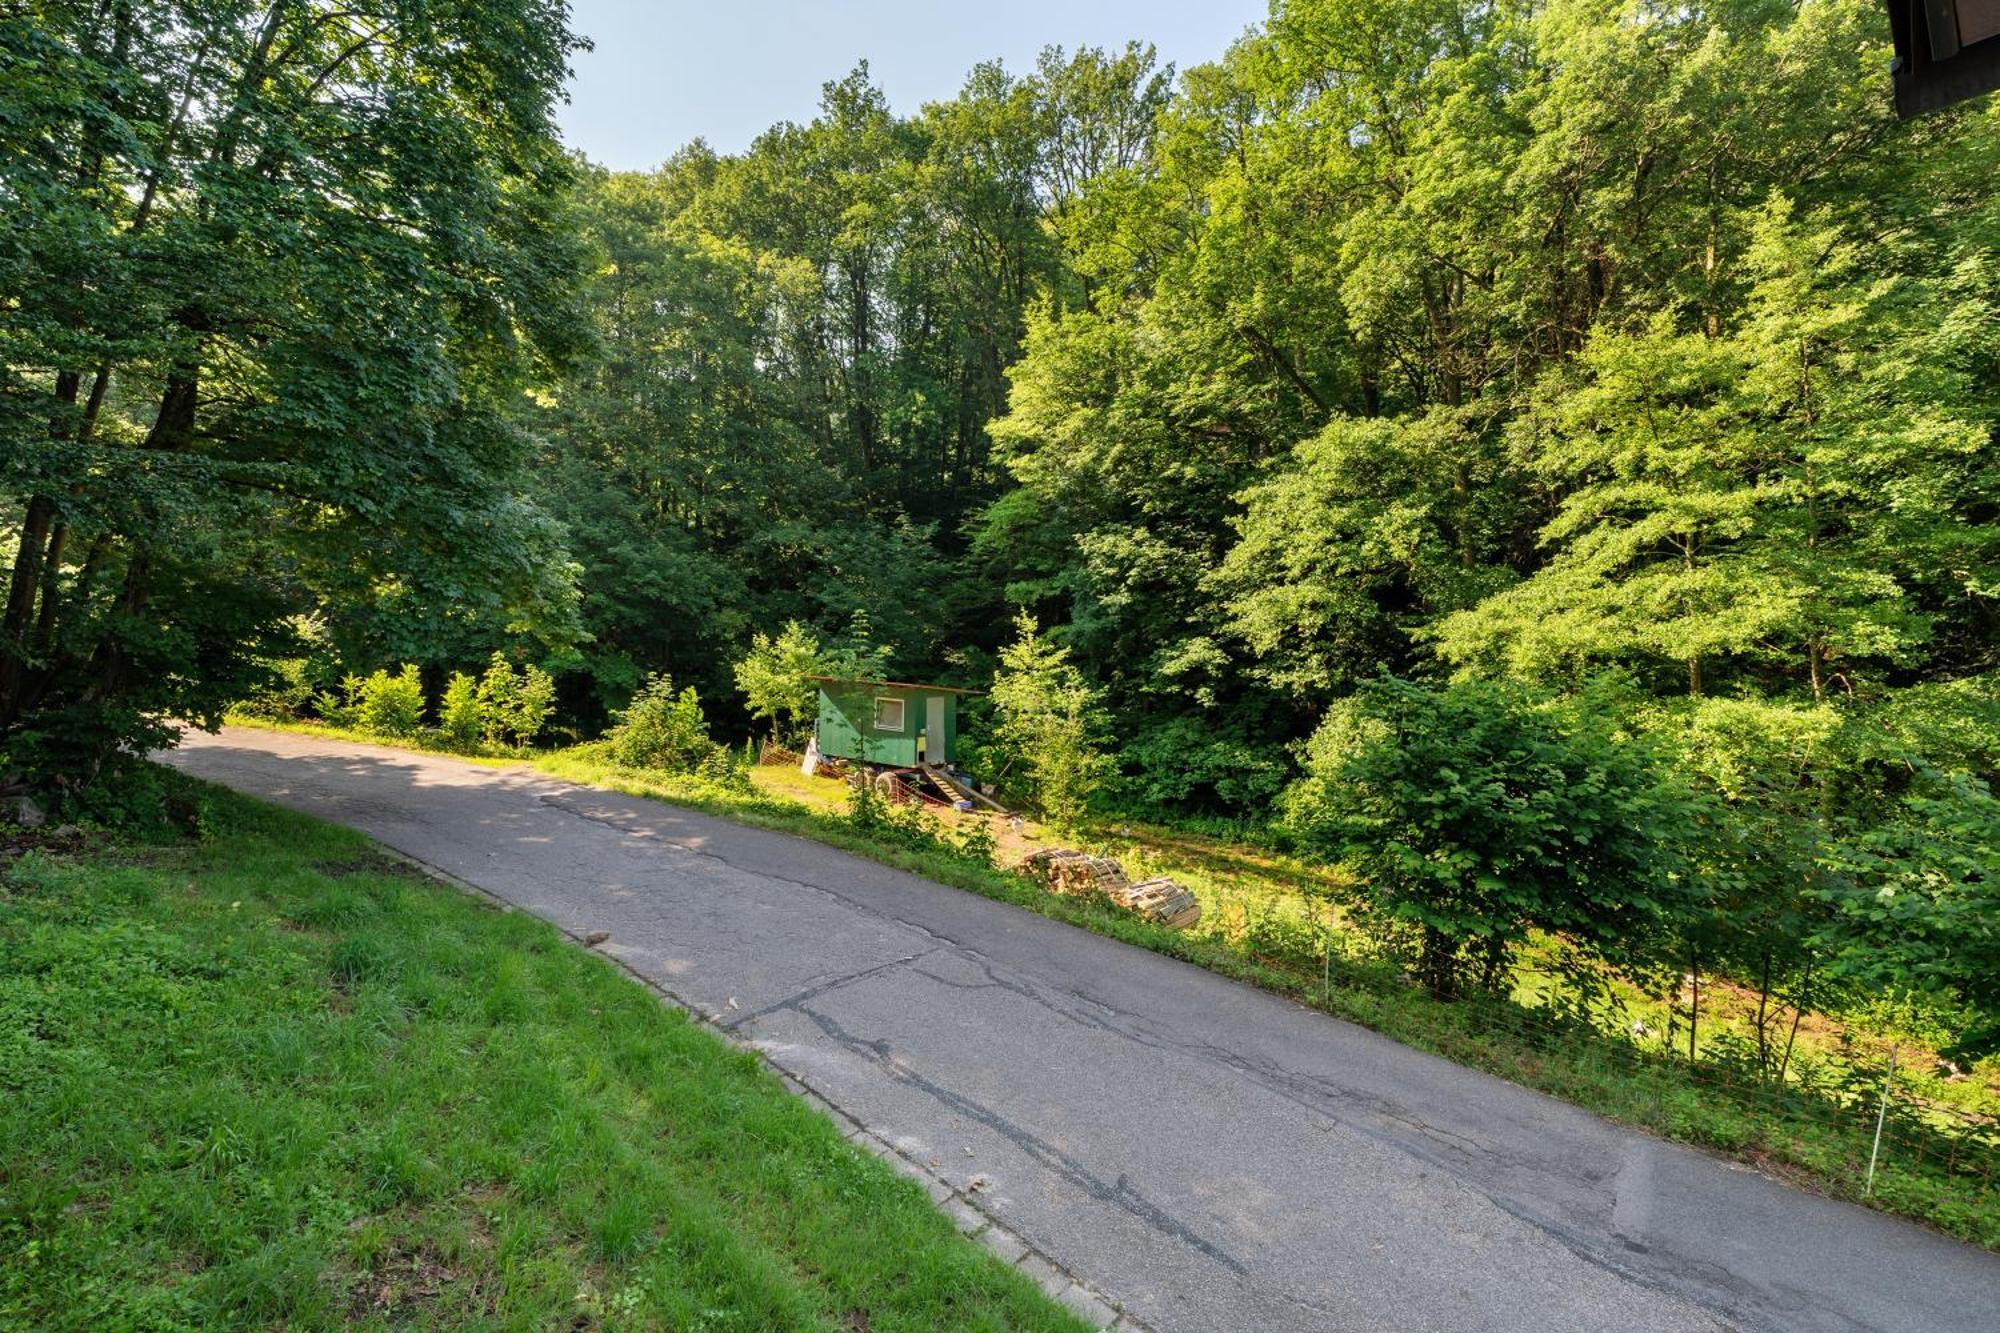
column 972, row 1221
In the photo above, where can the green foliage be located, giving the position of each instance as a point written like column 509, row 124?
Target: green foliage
column 514, row 704
column 1375, row 528
column 773, row 679
column 664, row 730
column 856, row 654
column 1844, row 861
column 1191, row 764
column 379, row 704
column 296, row 684
column 799, row 349
column 1047, row 726
column 462, row 719
column 391, row 705
column 136, row 799
column 289, row 697
column 1475, row 815
column 1723, row 507
column 775, row 676
column 911, row 827
column 1917, row 905
column 277, row 283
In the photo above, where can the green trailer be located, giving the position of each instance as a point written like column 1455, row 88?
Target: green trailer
column 884, row 721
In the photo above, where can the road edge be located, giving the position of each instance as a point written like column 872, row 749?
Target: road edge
column 1067, row 1288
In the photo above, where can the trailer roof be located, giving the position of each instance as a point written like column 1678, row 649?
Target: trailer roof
column 891, row 684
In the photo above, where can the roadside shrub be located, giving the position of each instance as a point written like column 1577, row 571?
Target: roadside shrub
column 287, row 698
column 665, row 730
column 382, row 704
column 335, row 705
column 1047, row 732
column 1916, row 896
column 461, row 714
column 1475, row 814
column 1186, row 766
column 775, row 679
column 913, row 827
column 515, row 704
column 290, row 689
column 975, row 842
column 130, row 794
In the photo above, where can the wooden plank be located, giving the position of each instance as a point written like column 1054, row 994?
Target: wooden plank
column 962, row 792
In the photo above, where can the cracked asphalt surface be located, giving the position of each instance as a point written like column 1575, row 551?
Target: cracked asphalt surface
column 1210, row 1156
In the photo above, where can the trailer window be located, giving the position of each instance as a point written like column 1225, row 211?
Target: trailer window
column 888, row 715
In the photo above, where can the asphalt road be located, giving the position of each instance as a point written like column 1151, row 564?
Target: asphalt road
column 1212, row 1157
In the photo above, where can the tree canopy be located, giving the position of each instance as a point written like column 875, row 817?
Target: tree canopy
column 1624, row 363
column 274, row 276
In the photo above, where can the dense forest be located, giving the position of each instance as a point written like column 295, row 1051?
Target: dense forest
column 1427, row 430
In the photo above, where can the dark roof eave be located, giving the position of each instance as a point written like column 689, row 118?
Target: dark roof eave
column 891, row 684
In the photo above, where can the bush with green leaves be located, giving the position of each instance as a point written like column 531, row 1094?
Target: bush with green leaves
column 775, row 679
column 1916, row 899
column 288, row 697
column 294, row 681
column 1843, row 852
column 667, row 730
column 1194, row 764
column 514, row 703
column 1476, row 813
column 1047, row 731
column 380, row 704
column 461, row 713
column 909, row 825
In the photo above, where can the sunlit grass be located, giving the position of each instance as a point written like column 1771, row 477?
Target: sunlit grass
column 275, row 1080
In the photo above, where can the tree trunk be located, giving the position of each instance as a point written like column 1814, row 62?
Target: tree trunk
column 20, row 610
column 1694, row 1002
column 111, row 662
column 1798, row 1012
column 1494, row 967
column 45, row 623
column 1435, row 962
column 1763, row 1007
column 175, row 422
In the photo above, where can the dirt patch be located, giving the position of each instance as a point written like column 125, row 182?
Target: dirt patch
column 17, row 840
column 403, row 1285
column 360, row 865
column 410, row 1279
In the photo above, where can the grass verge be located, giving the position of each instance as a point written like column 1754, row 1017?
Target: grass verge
column 273, row 1078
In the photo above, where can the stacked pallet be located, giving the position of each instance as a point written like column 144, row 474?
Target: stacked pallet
column 1060, row 870
column 1035, row 865
column 1160, row 900
column 1065, row 871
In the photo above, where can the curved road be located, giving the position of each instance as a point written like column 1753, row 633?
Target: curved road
column 1210, row 1156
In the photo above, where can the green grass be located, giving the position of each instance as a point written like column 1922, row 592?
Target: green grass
column 272, row 1078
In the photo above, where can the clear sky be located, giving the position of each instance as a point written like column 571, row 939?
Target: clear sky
column 667, row 71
